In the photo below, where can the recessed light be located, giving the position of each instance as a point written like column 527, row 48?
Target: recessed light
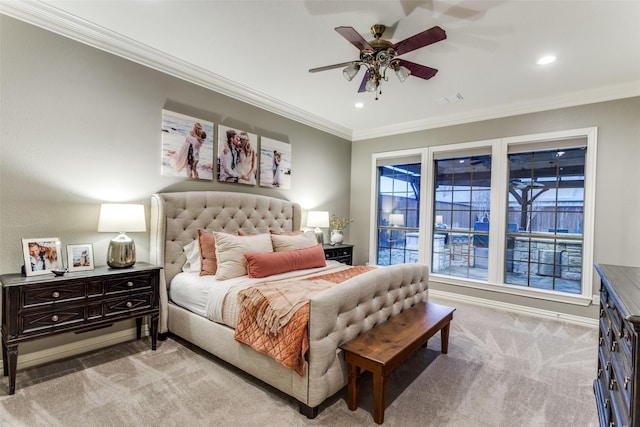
column 359, row 104
column 545, row 60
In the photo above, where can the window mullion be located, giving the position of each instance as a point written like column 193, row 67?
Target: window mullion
column 498, row 212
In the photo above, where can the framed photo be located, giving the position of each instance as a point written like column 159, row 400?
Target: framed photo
column 275, row 164
column 187, row 146
column 237, row 156
column 80, row 257
column 41, row 255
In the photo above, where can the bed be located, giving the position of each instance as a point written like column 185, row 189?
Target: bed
column 336, row 314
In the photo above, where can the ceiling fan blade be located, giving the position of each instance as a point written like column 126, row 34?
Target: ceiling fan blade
column 427, row 37
column 354, row 38
column 363, row 84
column 330, row 67
column 418, row 70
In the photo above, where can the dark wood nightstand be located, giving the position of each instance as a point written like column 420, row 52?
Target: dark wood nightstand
column 342, row 253
column 41, row 306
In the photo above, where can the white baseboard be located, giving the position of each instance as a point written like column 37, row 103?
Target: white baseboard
column 77, row 347
column 579, row 320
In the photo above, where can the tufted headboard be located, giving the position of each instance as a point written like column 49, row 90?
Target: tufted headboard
column 177, row 217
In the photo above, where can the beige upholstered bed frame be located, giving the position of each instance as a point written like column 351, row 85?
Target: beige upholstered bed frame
column 336, row 315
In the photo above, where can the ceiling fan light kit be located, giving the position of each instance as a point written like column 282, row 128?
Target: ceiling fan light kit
column 379, row 55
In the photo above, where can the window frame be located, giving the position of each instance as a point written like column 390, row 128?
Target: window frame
column 499, row 210
column 400, row 156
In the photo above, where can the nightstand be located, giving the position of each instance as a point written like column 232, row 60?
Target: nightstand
column 40, row 306
column 342, row 253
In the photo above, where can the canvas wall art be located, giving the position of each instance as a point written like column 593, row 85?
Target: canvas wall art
column 275, row 164
column 187, row 146
column 237, row 156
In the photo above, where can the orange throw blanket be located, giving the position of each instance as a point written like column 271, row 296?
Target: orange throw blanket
column 273, row 316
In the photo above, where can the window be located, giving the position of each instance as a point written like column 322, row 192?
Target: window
column 398, row 211
column 512, row 215
column 546, row 209
column 461, row 205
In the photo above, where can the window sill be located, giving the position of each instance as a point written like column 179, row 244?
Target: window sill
column 540, row 294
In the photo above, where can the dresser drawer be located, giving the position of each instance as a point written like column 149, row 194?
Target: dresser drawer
column 128, row 283
column 128, row 304
column 49, row 293
column 37, row 321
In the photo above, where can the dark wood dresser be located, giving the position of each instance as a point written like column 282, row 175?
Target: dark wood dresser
column 342, row 253
column 41, row 306
column 617, row 386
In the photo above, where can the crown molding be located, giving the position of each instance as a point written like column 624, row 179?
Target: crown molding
column 602, row 94
column 52, row 19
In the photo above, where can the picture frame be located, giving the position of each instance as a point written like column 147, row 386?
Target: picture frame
column 237, row 156
column 80, row 257
column 187, row 146
column 42, row 255
column 275, row 164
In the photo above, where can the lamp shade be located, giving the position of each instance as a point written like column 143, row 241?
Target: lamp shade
column 119, row 218
column 396, row 220
column 318, row 219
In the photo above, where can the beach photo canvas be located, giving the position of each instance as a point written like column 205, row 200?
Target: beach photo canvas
column 237, row 156
column 187, row 146
column 275, row 164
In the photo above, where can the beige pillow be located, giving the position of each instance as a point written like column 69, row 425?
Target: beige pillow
column 230, row 252
column 291, row 242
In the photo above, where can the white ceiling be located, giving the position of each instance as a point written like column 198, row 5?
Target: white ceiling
column 260, row 52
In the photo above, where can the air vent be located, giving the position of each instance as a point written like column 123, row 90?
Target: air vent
column 450, row 99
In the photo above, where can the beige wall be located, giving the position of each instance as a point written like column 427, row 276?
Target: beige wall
column 79, row 127
column 617, row 216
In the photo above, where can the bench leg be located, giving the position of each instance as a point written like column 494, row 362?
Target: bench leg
column 444, row 338
column 379, row 395
column 352, row 386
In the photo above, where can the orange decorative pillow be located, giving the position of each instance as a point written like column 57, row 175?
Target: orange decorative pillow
column 268, row 264
column 208, row 262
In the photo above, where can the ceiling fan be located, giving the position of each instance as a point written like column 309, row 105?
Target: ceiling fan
column 378, row 55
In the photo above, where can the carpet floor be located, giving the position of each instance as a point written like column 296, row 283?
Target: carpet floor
column 502, row 369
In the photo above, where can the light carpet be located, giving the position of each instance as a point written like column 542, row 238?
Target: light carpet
column 502, row 369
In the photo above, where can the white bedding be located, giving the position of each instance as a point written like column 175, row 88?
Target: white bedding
column 205, row 296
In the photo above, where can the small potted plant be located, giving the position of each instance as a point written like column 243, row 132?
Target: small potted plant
column 337, row 227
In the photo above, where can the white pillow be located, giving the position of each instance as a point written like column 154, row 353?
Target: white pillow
column 291, row 242
column 192, row 252
column 230, row 250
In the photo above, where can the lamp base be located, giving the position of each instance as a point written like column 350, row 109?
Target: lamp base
column 319, row 235
column 121, row 252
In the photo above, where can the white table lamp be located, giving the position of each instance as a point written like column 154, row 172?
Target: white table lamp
column 121, row 218
column 396, row 220
column 318, row 219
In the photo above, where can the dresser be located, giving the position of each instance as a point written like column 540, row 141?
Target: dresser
column 617, row 386
column 41, row 306
column 342, row 253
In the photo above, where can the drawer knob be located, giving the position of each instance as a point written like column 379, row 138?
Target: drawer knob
column 55, row 294
column 54, row 318
column 612, row 383
column 627, row 380
column 599, row 372
column 129, row 304
column 130, row 284
column 614, row 345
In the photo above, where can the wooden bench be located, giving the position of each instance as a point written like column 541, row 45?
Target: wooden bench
column 384, row 347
